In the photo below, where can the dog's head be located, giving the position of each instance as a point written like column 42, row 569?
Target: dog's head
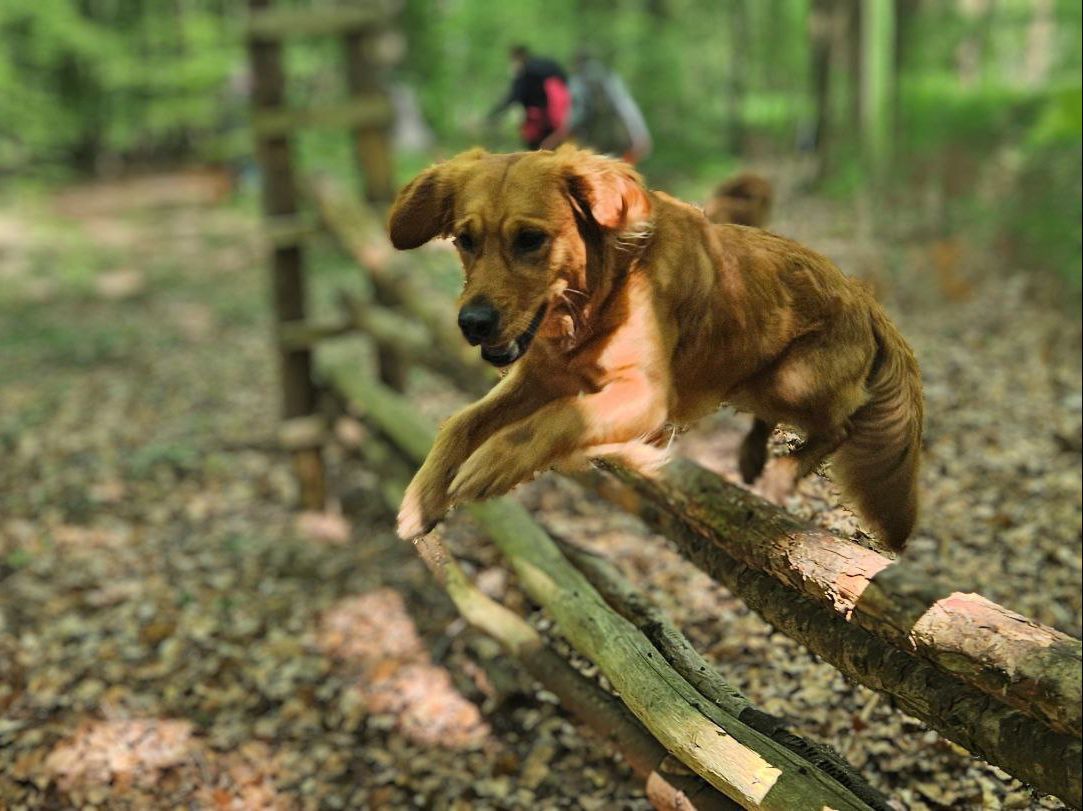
column 522, row 223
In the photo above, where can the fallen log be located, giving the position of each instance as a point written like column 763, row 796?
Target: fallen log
column 1031, row 667
column 1002, row 735
column 686, row 660
column 743, row 764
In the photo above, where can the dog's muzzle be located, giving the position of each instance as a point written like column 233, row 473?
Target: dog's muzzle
column 513, row 350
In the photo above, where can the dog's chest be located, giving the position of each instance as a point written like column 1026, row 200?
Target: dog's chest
column 635, row 345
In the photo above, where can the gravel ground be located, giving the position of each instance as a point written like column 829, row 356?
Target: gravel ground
column 172, row 635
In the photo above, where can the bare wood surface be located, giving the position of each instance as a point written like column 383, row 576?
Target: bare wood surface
column 745, row 765
column 1029, row 666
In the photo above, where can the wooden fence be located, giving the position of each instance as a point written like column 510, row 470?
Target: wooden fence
column 1004, row 687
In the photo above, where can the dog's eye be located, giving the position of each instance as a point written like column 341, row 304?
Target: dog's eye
column 530, row 240
column 465, row 242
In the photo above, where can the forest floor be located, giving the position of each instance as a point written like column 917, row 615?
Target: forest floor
column 173, row 634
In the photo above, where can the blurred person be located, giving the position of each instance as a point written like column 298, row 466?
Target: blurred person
column 604, row 115
column 540, row 85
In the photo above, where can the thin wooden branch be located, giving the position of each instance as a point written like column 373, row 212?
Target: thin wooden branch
column 362, row 112
column 283, row 23
column 745, row 765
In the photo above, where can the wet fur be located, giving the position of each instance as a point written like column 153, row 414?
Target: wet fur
column 656, row 317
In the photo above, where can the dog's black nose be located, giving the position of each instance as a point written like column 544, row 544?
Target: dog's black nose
column 478, row 320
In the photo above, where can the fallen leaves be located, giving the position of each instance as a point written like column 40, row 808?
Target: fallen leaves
column 374, row 633
column 124, row 751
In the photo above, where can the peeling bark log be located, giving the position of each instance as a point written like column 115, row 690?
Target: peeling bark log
column 1021, row 745
column 1028, row 666
column 701, row 674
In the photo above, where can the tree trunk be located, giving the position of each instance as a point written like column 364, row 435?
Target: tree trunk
column 877, row 85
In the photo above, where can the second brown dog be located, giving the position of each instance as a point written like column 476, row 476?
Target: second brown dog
column 744, row 199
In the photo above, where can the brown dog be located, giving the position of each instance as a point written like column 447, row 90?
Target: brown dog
column 624, row 310
column 742, row 200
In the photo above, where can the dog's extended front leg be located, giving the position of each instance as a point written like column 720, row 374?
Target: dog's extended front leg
column 426, row 499
column 623, row 411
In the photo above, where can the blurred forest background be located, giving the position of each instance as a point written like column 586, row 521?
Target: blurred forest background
column 971, row 106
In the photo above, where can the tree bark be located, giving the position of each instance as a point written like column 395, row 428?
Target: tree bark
column 280, row 199
column 701, row 674
column 1028, row 666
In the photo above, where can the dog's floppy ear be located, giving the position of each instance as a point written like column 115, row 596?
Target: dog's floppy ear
column 425, row 207
column 610, row 189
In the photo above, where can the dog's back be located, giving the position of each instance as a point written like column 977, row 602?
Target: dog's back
column 744, row 199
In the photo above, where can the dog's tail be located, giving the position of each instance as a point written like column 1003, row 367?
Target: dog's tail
column 877, row 466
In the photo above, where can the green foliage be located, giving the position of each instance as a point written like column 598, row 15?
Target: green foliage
column 1049, row 216
column 981, row 88
column 82, row 83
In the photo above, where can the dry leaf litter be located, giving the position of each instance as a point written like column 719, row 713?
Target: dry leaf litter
column 172, row 635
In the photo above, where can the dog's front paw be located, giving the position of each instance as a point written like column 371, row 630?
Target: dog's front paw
column 421, row 510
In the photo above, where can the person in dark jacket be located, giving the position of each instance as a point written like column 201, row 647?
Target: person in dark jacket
column 540, row 86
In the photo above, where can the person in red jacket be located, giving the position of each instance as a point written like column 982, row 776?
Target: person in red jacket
column 540, row 85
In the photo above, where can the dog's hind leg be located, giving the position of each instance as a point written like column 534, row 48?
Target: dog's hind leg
column 781, row 475
column 753, row 453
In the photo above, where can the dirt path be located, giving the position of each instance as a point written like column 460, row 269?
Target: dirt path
column 171, row 634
